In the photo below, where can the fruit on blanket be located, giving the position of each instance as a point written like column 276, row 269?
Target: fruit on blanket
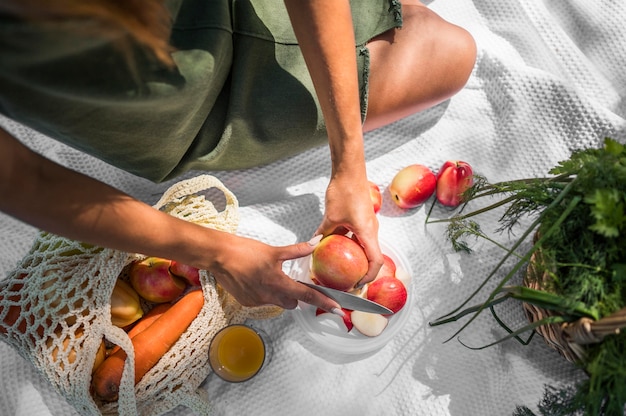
column 388, row 268
column 389, row 292
column 454, row 178
column 376, row 196
column 125, row 305
column 149, row 346
column 412, row 186
column 338, row 262
column 189, row 273
column 152, row 280
column 369, row 324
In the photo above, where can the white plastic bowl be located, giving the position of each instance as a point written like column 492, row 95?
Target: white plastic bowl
column 329, row 332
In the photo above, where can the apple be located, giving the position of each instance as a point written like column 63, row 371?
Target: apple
column 412, row 186
column 338, row 262
column 152, row 280
column 388, row 268
column 189, row 273
column 389, row 292
column 403, row 276
column 376, row 197
column 369, row 324
column 453, row 179
column 347, row 317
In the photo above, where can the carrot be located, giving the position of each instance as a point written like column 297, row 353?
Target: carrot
column 144, row 322
column 149, row 345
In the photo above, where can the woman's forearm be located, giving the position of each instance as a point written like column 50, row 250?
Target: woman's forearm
column 326, row 36
column 56, row 199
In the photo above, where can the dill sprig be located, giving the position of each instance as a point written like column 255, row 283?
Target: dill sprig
column 578, row 219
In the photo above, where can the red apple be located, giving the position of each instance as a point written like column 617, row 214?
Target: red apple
column 388, row 268
column 412, row 186
column 347, row 317
column 338, row 262
column 376, row 197
column 189, row 273
column 389, row 292
column 454, row 178
column 152, row 280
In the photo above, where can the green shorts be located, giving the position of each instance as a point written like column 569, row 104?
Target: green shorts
column 241, row 95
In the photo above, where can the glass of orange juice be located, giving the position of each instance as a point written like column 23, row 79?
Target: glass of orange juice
column 238, row 352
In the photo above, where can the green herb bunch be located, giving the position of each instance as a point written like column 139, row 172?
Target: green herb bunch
column 578, row 224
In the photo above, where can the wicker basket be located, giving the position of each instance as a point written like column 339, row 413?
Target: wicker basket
column 569, row 338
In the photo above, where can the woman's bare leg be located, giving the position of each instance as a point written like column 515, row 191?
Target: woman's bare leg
column 416, row 67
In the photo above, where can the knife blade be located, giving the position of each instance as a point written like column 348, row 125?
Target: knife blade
column 350, row 301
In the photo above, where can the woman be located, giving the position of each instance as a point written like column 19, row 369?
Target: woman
column 226, row 84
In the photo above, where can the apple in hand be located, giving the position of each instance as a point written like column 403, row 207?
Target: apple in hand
column 389, row 292
column 338, row 262
column 376, row 197
column 152, row 280
column 412, row 186
column 189, row 273
column 453, row 179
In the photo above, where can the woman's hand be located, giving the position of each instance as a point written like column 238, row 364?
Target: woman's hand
column 349, row 208
column 251, row 271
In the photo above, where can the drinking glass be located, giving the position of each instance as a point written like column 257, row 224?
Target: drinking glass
column 238, row 352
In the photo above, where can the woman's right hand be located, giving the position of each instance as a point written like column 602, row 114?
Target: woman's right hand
column 251, row 271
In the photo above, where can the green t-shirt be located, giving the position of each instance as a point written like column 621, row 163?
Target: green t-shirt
column 240, row 95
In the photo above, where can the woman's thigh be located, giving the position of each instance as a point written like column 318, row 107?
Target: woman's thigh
column 416, row 67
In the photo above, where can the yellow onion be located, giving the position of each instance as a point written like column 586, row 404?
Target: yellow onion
column 125, row 305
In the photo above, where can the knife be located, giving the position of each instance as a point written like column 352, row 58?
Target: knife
column 350, row 301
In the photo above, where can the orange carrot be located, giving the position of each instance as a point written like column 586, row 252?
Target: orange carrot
column 145, row 321
column 149, row 345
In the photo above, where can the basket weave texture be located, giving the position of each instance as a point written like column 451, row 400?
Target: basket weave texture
column 568, row 338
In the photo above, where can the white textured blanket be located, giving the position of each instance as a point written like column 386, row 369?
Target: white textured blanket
column 549, row 78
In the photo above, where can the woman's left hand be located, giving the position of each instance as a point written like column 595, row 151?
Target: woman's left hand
column 325, row 32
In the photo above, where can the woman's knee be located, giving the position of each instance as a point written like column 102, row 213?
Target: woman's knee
column 453, row 48
column 459, row 47
column 420, row 65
